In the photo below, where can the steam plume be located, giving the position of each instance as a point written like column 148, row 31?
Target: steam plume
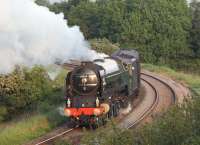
column 57, row 1
column 31, row 34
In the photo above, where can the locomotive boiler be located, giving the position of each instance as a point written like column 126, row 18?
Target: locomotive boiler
column 95, row 91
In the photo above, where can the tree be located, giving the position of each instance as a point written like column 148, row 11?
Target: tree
column 99, row 19
column 87, row 16
column 195, row 31
column 159, row 29
column 22, row 89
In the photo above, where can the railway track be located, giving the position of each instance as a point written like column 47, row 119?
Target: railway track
column 48, row 140
column 166, row 84
column 147, row 111
column 128, row 124
column 157, row 97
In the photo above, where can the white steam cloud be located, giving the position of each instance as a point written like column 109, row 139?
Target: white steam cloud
column 31, row 34
column 57, row 1
column 189, row 1
column 126, row 110
column 61, row 110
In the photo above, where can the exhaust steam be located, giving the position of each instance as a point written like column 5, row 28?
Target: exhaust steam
column 31, row 34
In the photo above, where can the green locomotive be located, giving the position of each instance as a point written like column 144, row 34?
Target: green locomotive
column 97, row 90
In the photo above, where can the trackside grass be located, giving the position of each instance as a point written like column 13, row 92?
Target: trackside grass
column 29, row 128
column 23, row 131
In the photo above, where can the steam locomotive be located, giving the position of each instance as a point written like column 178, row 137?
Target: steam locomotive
column 95, row 91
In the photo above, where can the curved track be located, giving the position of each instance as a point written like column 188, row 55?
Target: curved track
column 173, row 94
column 148, row 110
column 164, row 96
column 131, row 120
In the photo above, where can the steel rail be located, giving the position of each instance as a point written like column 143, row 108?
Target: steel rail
column 148, row 110
column 166, row 84
column 56, row 136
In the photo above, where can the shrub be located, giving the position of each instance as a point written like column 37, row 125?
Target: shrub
column 22, row 89
column 56, row 118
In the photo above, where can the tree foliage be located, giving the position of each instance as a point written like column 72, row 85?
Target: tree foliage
column 195, row 31
column 104, row 46
column 158, row 29
column 22, row 89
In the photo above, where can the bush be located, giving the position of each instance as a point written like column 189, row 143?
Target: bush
column 24, row 89
column 111, row 135
column 56, row 118
column 192, row 141
column 172, row 128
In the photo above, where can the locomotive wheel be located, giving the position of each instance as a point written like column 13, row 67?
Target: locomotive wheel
column 104, row 121
column 94, row 126
column 124, row 103
column 110, row 113
column 137, row 93
column 115, row 109
column 72, row 123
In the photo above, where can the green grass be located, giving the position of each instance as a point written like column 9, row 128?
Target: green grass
column 23, row 131
column 29, row 128
column 191, row 80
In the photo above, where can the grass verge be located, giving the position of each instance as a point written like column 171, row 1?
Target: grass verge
column 29, row 128
column 23, row 131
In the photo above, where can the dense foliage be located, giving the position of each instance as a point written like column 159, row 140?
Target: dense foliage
column 195, row 31
column 164, row 32
column 24, row 89
column 157, row 28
